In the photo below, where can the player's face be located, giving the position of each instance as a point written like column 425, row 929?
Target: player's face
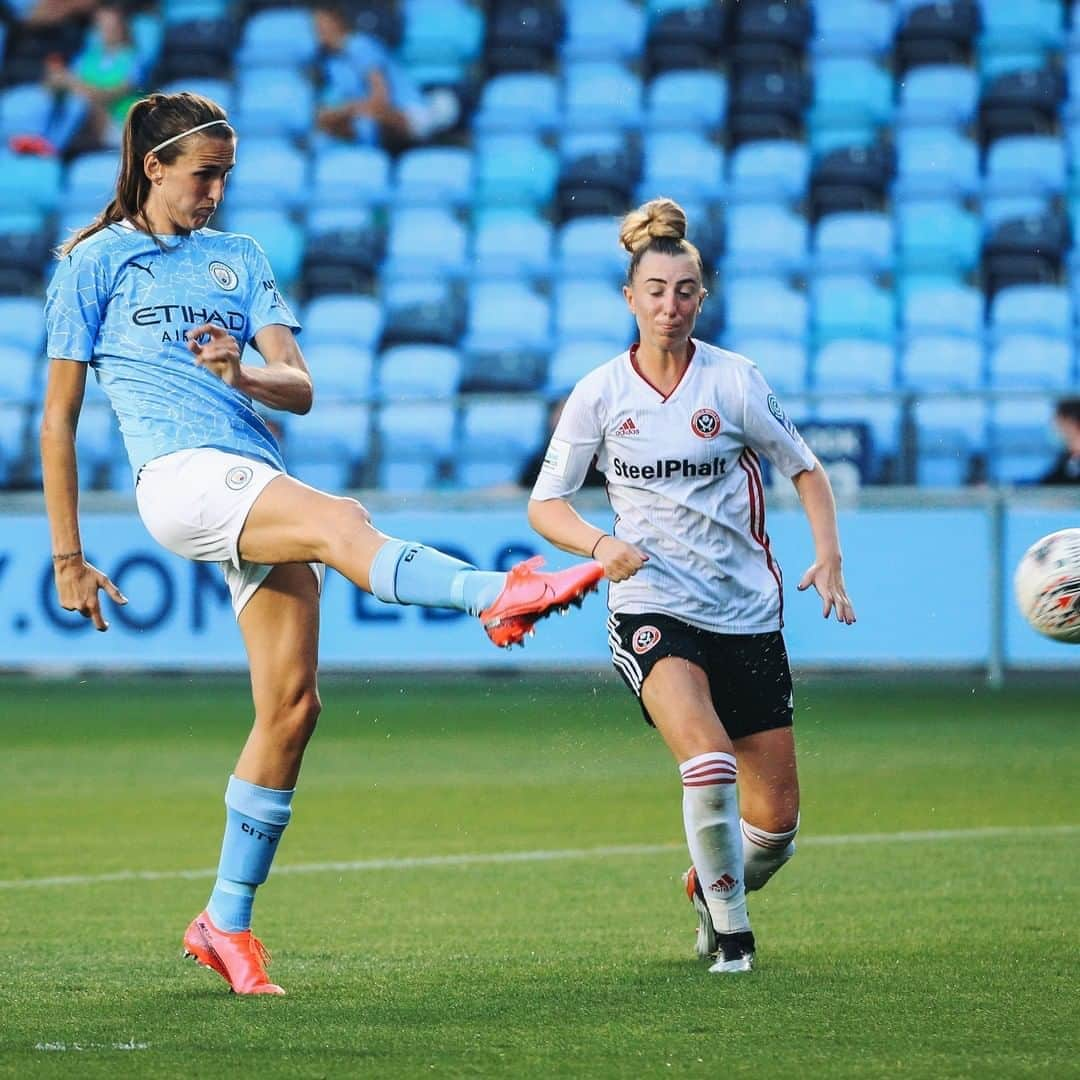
column 184, row 195
column 665, row 297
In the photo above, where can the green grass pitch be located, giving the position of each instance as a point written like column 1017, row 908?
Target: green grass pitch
column 947, row 950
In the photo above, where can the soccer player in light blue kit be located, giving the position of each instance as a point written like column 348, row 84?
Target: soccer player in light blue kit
column 160, row 307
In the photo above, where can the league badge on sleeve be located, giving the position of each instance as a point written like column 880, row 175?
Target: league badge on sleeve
column 557, row 457
column 781, row 417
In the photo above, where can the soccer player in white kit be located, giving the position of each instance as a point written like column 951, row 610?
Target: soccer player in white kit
column 696, row 598
column 160, row 307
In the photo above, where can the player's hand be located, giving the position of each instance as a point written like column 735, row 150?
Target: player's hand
column 619, row 559
column 220, row 355
column 827, row 577
column 77, row 586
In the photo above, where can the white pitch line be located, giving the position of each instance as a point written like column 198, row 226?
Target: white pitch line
column 480, row 858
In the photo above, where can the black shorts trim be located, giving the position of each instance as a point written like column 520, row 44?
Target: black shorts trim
column 749, row 676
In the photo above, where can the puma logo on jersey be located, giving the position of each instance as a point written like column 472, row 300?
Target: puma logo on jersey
column 628, row 427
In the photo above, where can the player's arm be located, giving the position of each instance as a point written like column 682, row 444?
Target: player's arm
column 77, row 582
column 282, row 382
column 826, row 573
column 560, row 524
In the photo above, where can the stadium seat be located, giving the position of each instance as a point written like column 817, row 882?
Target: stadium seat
column 938, row 94
column 268, row 173
column 783, row 363
column 340, row 371
column 767, row 37
column 1022, row 444
column 519, row 102
column 1023, row 102
column 852, row 177
column 1031, row 362
column 434, row 176
column 350, row 176
column 422, row 310
column 272, row 102
column 573, row 360
column 1016, row 36
column 696, row 100
column 856, row 242
column 440, row 39
column 933, row 362
column 1026, row 164
column 343, row 251
column 767, row 105
column 601, row 95
column 18, row 374
column 596, row 177
column 514, row 170
column 854, row 366
column 281, row 238
column 1039, row 309
column 425, row 241
column 25, row 252
column 523, row 35
column 937, row 236
column 588, row 247
column 935, row 33
column 495, row 439
column 944, row 309
column 90, row 181
column 24, row 323
column 852, row 28
column 356, row 321
column 845, row 306
column 998, row 209
column 29, row 183
column 507, row 315
column 765, row 239
column 328, row 452
column 415, row 438
column 949, row 433
column 512, row 243
column 25, row 109
column 428, row 372
column 684, row 34
column 1028, row 250
column 591, row 308
column 683, row 165
column 220, row 90
column 881, row 415
column 277, row 39
column 603, row 30
column 935, row 162
column 769, row 170
column 851, row 91
column 758, row 307
column 13, row 434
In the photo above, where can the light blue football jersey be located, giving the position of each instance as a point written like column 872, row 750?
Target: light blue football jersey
column 122, row 304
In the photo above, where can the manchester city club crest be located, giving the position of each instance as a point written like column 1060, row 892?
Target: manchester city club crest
column 225, row 276
column 237, row 479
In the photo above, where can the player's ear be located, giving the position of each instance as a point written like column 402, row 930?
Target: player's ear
column 629, row 294
column 152, row 167
column 701, row 299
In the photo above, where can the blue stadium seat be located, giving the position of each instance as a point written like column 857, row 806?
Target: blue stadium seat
column 1039, row 309
column 601, row 95
column 937, row 362
column 604, row 30
column 326, row 449
column 29, row 183
column 997, row 209
column 937, row 94
column 274, row 101
column 496, row 437
column 91, row 181
column 1026, row 164
column 342, row 320
column 848, row 306
column 281, row 238
column 851, row 91
column 13, row 431
column 441, row 39
column 588, row 247
column 350, row 176
column 784, row 363
column 1031, row 362
column 97, row 441
column 937, row 236
column 761, row 306
column 768, row 170
column 573, row 360
column 425, row 241
column 850, row 365
column 220, row 90
column 181, row 11
column 591, row 308
column 24, row 323
column 277, row 38
column 683, row 165
column 935, row 162
column 687, row 99
column 765, row 239
column 430, row 372
column 1021, row 438
column 519, row 102
column 24, row 110
column 512, row 243
column 852, row 27
column 1018, row 36
column 949, row 431
column 434, row 176
column 881, row 415
column 515, row 170
column 507, row 315
column 422, row 310
column 946, row 309
column 268, row 173
column 340, row 372
column 415, row 437
column 854, row 241
column 18, row 374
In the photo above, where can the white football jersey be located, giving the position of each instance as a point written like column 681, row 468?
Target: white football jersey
column 684, row 479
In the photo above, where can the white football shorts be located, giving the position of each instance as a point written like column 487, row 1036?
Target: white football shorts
column 195, row 502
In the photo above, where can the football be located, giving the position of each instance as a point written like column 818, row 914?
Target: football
column 1048, row 585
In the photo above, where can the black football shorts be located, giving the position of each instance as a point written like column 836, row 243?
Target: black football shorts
column 748, row 673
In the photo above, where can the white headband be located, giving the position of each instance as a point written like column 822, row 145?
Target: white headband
column 190, row 131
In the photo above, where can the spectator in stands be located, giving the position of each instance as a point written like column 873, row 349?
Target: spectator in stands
column 366, row 96
column 1066, row 469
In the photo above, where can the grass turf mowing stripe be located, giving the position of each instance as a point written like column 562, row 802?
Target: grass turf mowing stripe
column 480, row 858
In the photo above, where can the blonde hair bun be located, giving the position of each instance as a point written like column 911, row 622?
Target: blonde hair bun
column 652, row 220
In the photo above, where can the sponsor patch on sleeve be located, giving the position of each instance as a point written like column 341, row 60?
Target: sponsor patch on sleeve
column 781, row 417
column 557, row 458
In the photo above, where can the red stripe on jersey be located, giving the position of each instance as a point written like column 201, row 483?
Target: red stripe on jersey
column 748, row 462
column 690, row 349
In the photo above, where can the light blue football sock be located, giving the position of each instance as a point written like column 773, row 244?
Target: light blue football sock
column 403, row 572
column 255, row 818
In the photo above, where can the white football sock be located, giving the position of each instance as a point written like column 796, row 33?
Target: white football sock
column 765, row 852
column 711, row 816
